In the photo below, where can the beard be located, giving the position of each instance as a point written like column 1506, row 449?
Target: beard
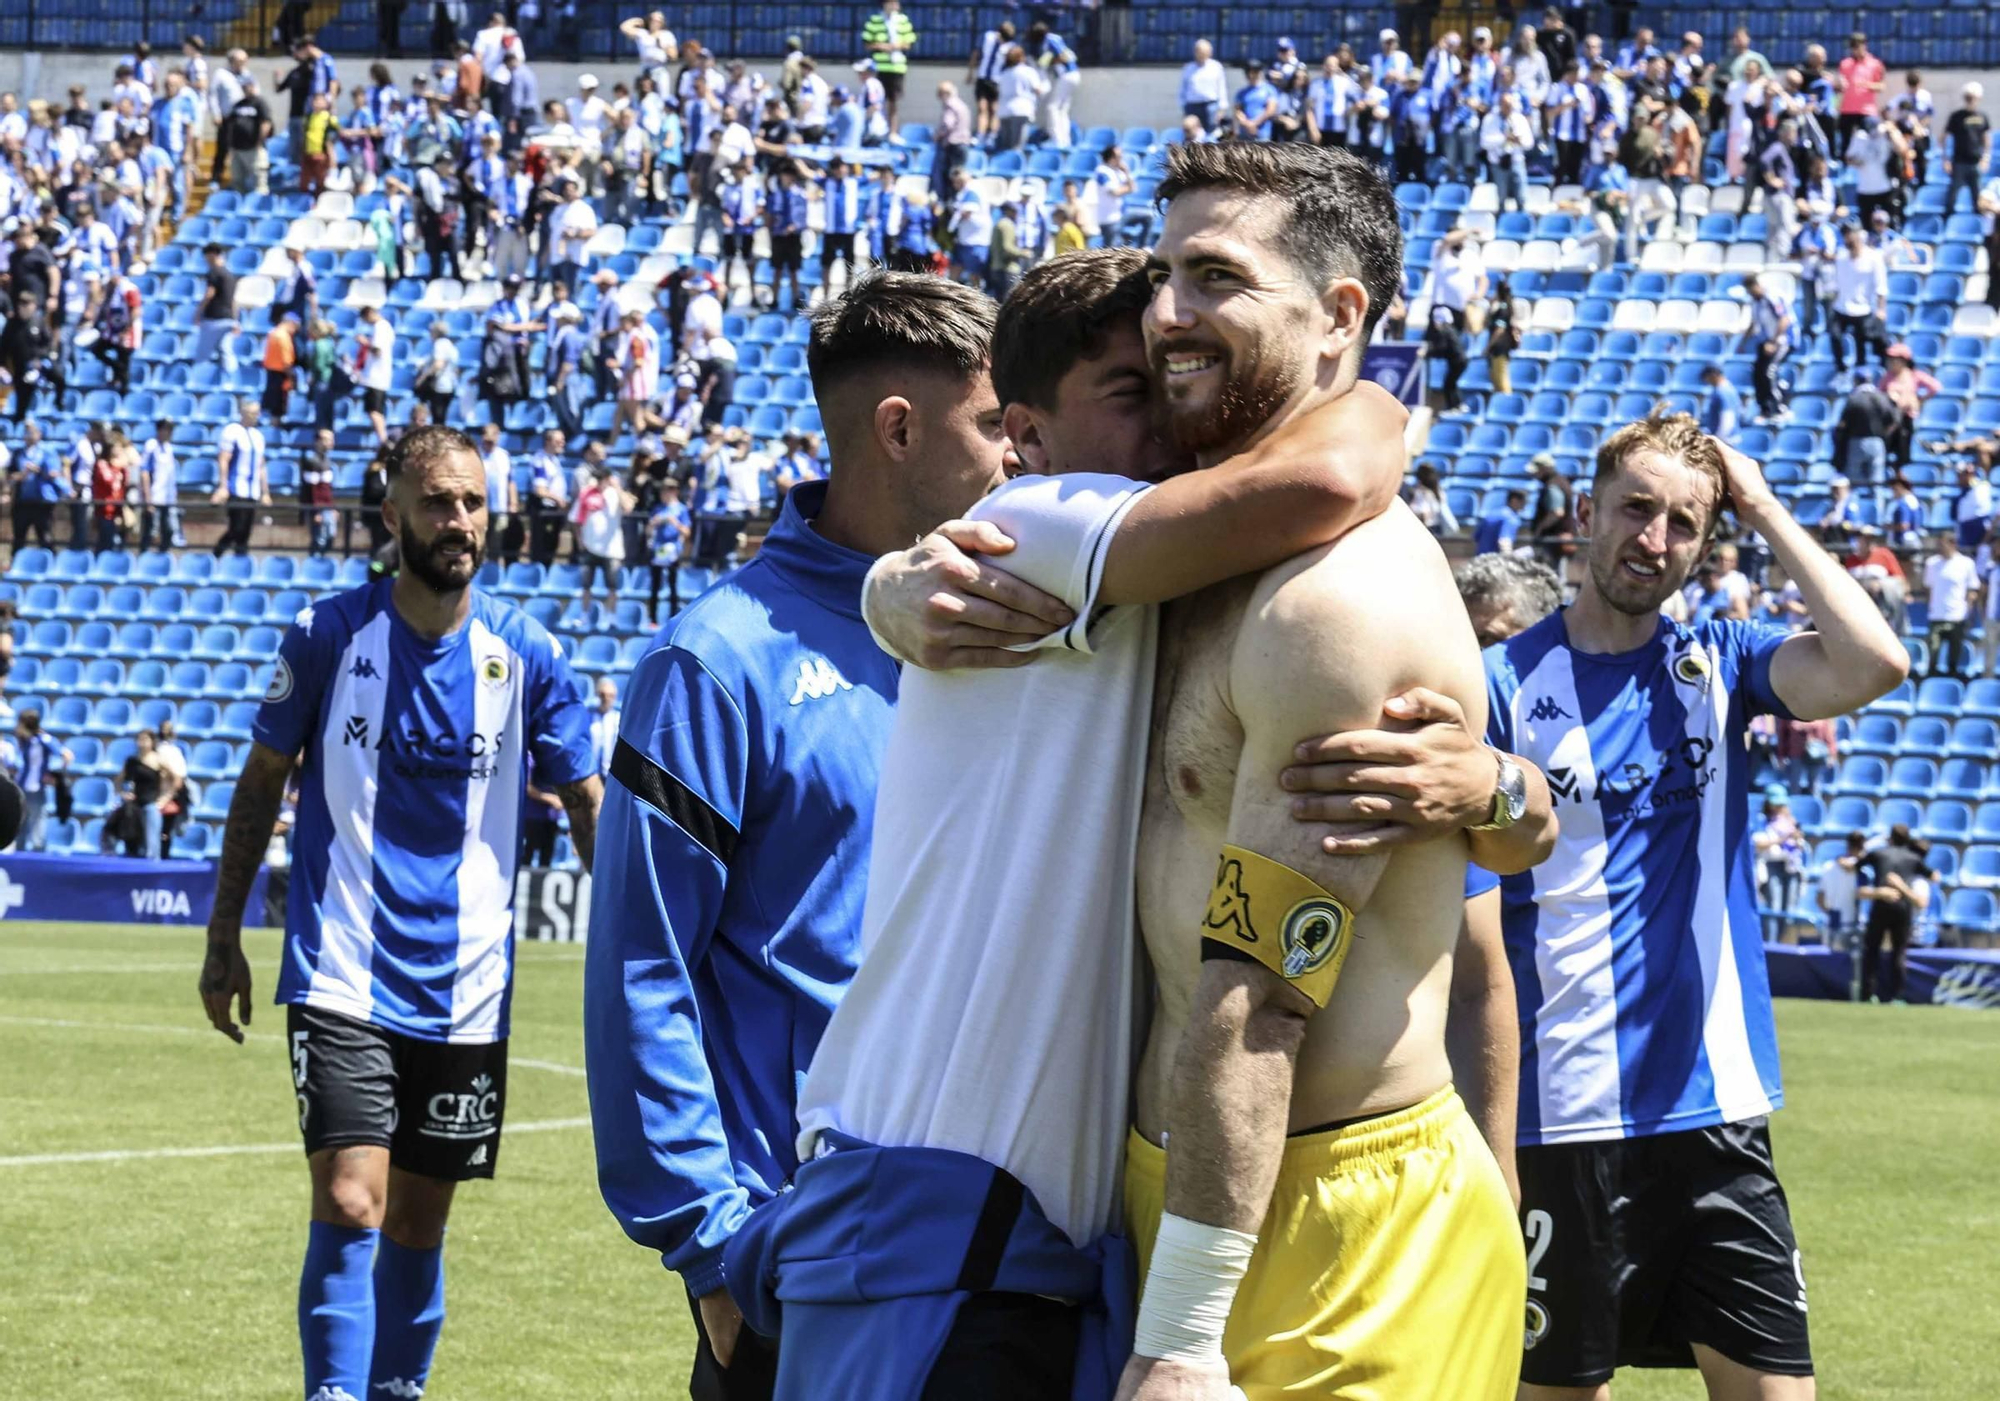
column 1254, row 387
column 1637, row 598
column 440, row 572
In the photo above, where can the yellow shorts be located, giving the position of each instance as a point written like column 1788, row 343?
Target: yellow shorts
column 1390, row 1267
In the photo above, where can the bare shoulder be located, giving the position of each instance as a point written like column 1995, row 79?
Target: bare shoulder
column 1374, row 613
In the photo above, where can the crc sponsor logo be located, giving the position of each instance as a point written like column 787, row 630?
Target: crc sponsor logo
column 469, row 1115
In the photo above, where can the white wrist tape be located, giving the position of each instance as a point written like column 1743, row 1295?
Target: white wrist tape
column 1189, row 1289
column 867, row 589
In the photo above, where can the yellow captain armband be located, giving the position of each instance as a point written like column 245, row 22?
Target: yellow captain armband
column 1263, row 910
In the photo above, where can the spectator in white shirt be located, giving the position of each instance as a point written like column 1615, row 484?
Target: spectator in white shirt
column 1952, row 581
column 1506, row 138
column 1458, row 276
column 1839, row 882
column 1204, row 86
column 490, row 45
column 375, row 368
column 604, row 724
column 1021, row 89
column 572, row 225
column 1860, row 297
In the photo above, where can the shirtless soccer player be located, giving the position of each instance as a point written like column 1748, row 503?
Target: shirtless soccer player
column 1325, row 1219
column 963, row 1119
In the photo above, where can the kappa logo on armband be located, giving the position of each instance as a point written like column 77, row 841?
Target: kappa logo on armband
column 1229, row 904
column 1313, row 932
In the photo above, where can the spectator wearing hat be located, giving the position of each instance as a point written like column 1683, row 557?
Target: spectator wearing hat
column 683, row 408
column 669, row 528
column 1907, row 388
column 1389, row 63
column 437, row 219
column 845, row 119
column 1839, row 517
column 27, row 352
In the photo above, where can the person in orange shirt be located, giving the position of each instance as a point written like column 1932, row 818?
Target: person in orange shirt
column 471, row 79
column 281, row 357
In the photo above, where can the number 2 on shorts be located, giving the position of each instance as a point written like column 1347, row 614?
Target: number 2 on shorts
column 1540, row 1228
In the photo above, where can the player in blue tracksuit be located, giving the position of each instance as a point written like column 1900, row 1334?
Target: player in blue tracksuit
column 735, row 841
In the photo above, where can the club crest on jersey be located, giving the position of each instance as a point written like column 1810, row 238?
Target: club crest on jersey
column 1692, row 668
column 281, row 683
column 1311, row 935
column 493, row 671
column 1538, row 1324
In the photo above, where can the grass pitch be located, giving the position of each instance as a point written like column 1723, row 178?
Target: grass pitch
column 129, row 1273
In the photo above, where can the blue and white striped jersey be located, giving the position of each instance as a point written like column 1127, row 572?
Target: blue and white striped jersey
column 1636, row 950
column 400, row 911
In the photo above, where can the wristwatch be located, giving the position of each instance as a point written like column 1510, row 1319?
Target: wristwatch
column 1510, row 795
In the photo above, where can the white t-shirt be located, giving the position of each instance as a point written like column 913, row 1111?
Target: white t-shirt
column 1950, row 583
column 701, row 323
column 993, row 1010
column 1837, row 887
column 602, row 531
column 379, row 371
column 576, row 225
column 1110, row 183
column 499, row 474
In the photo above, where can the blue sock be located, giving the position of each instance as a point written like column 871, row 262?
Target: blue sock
column 337, row 1311
column 409, row 1315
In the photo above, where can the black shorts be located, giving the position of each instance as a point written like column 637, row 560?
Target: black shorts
column 375, row 400
column 786, row 252
column 1640, row 1247
column 986, row 90
column 434, row 1105
column 740, row 245
column 892, row 85
column 835, row 248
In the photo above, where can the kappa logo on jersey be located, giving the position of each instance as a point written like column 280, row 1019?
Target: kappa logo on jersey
column 364, row 669
column 817, row 680
column 478, row 1158
column 1547, row 709
column 1229, row 904
column 281, row 683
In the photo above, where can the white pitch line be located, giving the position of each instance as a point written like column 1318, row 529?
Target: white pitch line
column 78, row 968
column 153, row 1029
column 232, row 1150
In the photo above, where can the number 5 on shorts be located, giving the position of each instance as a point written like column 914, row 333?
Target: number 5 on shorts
column 299, row 1060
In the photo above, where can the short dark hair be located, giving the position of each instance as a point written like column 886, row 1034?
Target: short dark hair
column 1060, row 313
column 210, row 250
column 904, row 320
column 1339, row 214
column 419, row 447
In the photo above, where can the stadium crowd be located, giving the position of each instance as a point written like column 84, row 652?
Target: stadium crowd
column 500, row 268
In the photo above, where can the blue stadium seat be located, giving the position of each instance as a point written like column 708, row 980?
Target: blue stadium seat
column 1971, row 909
column 1947, row 819
column 1980, row 867
column 1912, row 777
column 1864, row 775
column 1926, row 736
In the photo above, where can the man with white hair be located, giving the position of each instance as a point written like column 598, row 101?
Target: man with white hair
column 1204, row 86
column 1968, row 137
column 1391, row 64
